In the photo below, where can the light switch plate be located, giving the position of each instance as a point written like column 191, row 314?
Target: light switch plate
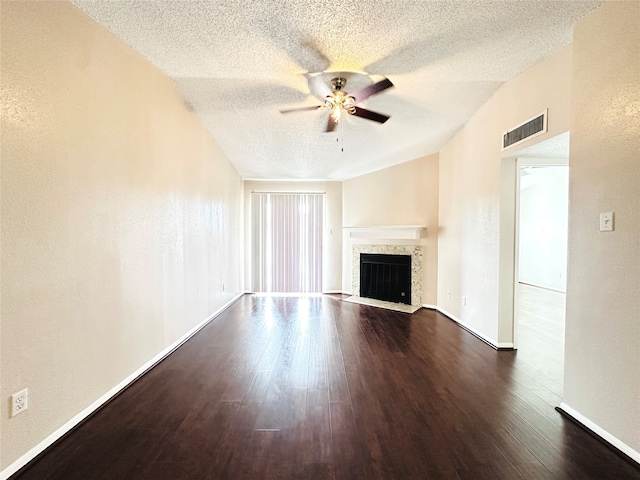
column 606, row 222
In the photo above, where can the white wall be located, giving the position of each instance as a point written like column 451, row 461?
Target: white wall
column 543, row 223
column 120, row 218
column 476, row 245
column 332, row 242
column 602, row 350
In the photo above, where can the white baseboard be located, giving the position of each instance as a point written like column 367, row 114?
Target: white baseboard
column 491, row 342
column 601, row 432
column 544, row 287
column 481, row 336
column 47, row 442
column 333, row 291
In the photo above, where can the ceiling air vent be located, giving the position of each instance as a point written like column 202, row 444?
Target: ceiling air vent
column 524, row 131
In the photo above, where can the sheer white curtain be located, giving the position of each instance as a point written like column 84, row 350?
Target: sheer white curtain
column 287, row 242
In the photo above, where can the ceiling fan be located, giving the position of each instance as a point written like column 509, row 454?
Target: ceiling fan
column 338, row 102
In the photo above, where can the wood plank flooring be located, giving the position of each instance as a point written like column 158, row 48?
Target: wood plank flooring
column 541, row 318
column 318, row 388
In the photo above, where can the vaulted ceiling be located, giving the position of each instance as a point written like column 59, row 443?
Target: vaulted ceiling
column 238, row 62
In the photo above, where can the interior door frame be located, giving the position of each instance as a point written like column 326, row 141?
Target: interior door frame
column 521, row 163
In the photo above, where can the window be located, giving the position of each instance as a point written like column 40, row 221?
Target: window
column 287, row 242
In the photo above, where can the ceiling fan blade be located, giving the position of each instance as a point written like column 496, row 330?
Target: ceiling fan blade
column 300, row 109
column 370, row 115
column 318, row 85
column 295, row 42
column 366, row 92
column 331, row 124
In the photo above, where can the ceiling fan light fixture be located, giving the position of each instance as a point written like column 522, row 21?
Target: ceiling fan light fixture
column 336, row 113
column 340, row 102
column 349, row 104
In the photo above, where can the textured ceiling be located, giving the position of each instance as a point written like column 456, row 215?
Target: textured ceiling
column 238, row 62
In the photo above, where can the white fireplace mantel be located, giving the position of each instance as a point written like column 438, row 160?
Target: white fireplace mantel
column 394, row 232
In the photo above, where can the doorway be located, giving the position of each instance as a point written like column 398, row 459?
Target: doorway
column 541, row 265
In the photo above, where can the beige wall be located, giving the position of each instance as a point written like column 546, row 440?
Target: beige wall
column 477, row 198
column 332, row 247
column 602, row 366
column 405, row 194
column 120, row 217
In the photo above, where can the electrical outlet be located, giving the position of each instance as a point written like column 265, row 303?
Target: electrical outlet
column 223, row 287
column 448, row 293
column 464, row 301
column 19, row 402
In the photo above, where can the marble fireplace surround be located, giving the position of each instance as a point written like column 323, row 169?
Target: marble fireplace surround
column 416, row 274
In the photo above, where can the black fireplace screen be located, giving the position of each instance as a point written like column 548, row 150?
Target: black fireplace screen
column 386, row 277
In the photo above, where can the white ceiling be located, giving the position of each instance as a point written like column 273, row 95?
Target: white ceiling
column 237, row 62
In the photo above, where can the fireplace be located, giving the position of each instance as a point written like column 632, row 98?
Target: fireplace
column 412, row 299
column 386, row 277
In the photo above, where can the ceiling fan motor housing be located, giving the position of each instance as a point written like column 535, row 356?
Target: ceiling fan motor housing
column 338, row 83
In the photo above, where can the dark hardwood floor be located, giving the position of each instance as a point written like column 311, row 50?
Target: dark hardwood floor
column 317, row 388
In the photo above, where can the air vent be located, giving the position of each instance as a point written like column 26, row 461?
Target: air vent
column 524, row 131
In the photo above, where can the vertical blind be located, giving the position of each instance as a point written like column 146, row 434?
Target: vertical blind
column 287, row 242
